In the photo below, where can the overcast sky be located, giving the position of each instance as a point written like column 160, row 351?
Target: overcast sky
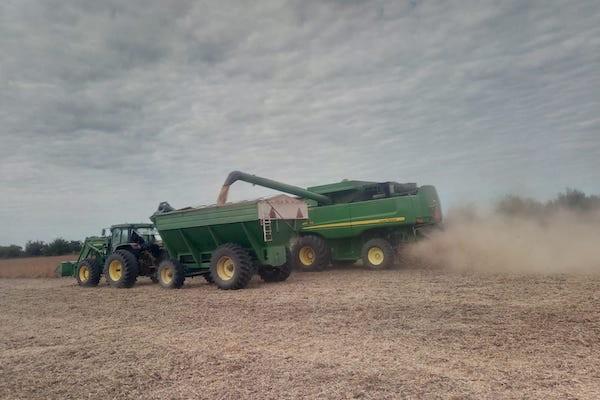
column 109, row 107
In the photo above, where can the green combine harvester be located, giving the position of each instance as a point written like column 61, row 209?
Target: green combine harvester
column 228, row 243
column 352, row 220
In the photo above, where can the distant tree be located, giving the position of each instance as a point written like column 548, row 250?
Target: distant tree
column 576, row 200
column 11, row 251
column 514, row 205
column 35, row 248
column 57, row 247
column 571, row 199
column 75, row 246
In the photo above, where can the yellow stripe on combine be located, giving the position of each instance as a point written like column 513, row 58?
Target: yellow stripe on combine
column 355, row 223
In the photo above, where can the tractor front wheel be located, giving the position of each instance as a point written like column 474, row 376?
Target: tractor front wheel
column 171, row 274
column 378, row 254
column 88, row 273
column 310, row 253
column 121, row 269
column 231, row 267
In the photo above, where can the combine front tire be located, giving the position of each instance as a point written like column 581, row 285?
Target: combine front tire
column 88, row 273
column 310, row 253
column 378, row 254
column 171, row 274
column 121, row 269
column 231, row 267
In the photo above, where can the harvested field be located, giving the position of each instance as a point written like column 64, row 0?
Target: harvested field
column 344, row 333
column 32, row 267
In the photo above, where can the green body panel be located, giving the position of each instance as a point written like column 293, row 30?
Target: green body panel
column 349, row 213
column 191, row 235
column 348, row 225
column 93, row 247
column 66, row 268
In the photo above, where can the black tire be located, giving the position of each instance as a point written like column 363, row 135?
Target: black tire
column 88, row 273
column 231, row 267
column 378, row 254
column 208, row 278
column 170, row 274
column 121, row 269
column 268, row 273
column 310, row 253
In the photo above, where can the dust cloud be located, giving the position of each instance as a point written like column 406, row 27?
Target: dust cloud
column 561, row 241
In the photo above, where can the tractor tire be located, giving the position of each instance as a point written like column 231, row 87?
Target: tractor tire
column 171, row 274
column 378, row 254
column 310, row 253
column 121, row 269
column 88, row 273
column 231, row 267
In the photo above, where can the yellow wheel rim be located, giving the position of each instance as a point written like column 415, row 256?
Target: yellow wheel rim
column 375, row 256
column 115, row 270
column 306, row 256
column 84, row 273
column 166, row 275
column 225, row 268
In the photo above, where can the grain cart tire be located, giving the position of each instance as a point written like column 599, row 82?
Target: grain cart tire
column 310, row 253
column 269, row 273
column 88, row 273
column 121, row 269
column 171, row 274
column 378, row 254
column 231, row 267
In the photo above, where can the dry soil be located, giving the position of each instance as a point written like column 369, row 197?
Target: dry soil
column 343, row 333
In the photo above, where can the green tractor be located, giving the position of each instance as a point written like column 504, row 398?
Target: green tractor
column 121, row 253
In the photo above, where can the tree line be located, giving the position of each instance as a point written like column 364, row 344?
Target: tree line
column 34, row 248
column 571, row 199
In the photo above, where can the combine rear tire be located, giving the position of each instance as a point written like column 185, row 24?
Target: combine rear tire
column 378, row 254
column 121, row 269
column 310, row 253
column 171, row 274
column 231, row 267
column 88, row 273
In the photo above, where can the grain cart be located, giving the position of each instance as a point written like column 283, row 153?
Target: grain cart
column 121, row 253
column 352, row 220
column 230, row 242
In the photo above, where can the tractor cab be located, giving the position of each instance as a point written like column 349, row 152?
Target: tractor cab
column 128, row 234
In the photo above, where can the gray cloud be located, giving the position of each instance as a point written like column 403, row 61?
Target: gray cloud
column 107, row 108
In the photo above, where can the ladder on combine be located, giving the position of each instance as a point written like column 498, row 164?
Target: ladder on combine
column 267, row 230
